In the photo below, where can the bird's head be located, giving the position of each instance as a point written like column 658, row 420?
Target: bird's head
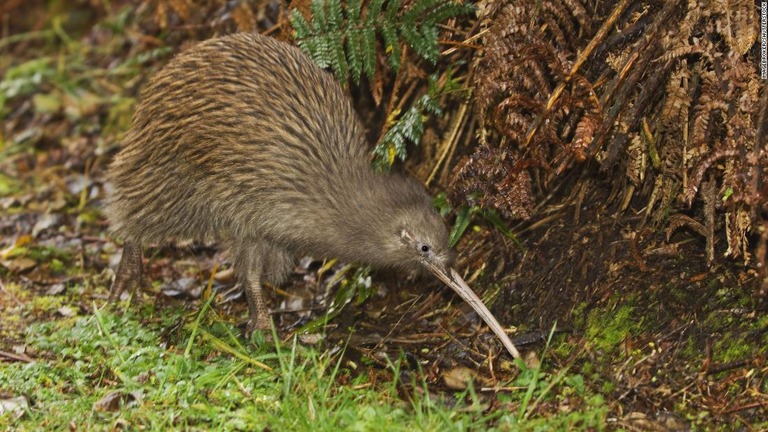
column 417, row 239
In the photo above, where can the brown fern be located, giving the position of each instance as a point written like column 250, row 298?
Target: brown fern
column 667, row 93
column 526, row 55
column 737, row 23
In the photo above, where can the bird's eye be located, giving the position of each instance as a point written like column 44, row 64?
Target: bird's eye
column 424, row 248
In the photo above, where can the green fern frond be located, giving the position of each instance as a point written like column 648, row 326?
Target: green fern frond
column 391, row 45
column 373, row 12
column 354, row 9
column 339, row 35
column 300, row 25
column 409, row 128
column 393, row 8
column 421, row 40
column 319, row 17
column 446, row 10
column 355, row 53
column 369, row 51
column 338, row 56
column 355, row 40
column 335, row 15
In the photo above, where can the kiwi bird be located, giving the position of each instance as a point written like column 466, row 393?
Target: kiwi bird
column 244, row 142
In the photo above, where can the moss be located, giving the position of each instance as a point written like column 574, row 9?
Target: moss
column 607, row 388
column 608, row 327
column 692, row 349
column 13, row 325
column 762, row 323
column 596, row 401
column 9, row 186
column 47, row 303
column 728, row 349
column 10, row 319
column 48, row 253
column 17, row 291
column 578, row 315
column 57, row 266
column 563, row 350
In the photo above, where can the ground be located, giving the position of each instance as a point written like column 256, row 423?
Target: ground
column 643, row 334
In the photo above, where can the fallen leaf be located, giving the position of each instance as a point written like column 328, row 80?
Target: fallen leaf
column 17, row 406
column 55, row 289
column 114, row 400
column 19, row 265
column 47, row 103
column 20, row 241
column 459, row 378
column 109, row 403
column 44, row 222
column 311, row 338
column 66, row 311
column 185, row 286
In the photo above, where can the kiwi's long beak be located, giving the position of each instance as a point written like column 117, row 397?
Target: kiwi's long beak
column 453, row 280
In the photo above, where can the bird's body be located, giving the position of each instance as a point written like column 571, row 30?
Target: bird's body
column 244, row 137
column 243, row 141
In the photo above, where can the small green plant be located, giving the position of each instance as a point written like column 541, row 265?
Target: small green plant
column 464, row 216
column 409, row 127
column 342, row 36
column 358, row 285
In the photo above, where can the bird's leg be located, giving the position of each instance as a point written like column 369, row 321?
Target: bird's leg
column 249, row 262
column 129, row 273
column 258, row 312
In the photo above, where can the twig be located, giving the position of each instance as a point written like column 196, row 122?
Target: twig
column 745, row 407
column 17, row 357
column 450, row 142
column 466, row 43
column 727, row 366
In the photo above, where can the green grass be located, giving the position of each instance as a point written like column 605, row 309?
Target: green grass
column 162, row 374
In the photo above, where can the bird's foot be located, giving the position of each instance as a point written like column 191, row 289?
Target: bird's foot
column 129, row 274
column 261, row 324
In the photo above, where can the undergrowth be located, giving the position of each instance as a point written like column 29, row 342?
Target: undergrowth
column 106, row 371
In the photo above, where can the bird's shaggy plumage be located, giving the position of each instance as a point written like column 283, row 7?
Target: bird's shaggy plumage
column 243, row 141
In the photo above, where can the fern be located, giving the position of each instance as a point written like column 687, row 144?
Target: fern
column 342, row 37
column 410, row 126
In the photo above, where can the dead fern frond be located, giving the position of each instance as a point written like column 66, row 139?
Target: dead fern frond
column 679, row 220
column 737, row 225
column 637, row 160
column 678, row 101
column 701, row 169
column 682, row 51
column 737, row 23
column 491, row 179
column 244, row 17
